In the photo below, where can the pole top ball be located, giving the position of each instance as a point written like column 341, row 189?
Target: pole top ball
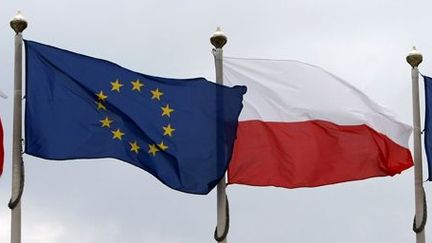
column 218, row 39
column 414, row 57
column 18, row 23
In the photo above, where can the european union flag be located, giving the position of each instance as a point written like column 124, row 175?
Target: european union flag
column 180, row 131
column 428, row 123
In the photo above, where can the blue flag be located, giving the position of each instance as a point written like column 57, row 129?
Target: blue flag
column 428, row 123
column 181, row 131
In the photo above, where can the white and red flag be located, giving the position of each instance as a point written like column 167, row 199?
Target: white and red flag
column 302, row 126
column 2, row 95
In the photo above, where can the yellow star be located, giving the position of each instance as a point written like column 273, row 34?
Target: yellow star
column 101, row 96
column 156, row 94
column 106, row 122
column 117, row 134
column 166, row 110
column 168, row 130
column 100, row 106
column 162, row 146
column 116, row 86
column 137, row 85
column 153, row 149
column 134, row 147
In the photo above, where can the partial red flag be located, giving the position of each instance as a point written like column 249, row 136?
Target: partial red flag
column 304, row 127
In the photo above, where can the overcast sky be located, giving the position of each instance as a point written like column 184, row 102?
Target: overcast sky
column 365, row 42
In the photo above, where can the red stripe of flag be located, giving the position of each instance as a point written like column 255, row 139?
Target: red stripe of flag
column 312, row 153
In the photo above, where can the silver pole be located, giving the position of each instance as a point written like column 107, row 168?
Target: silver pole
column 18, row 24
column 414, row 58
column 218, row 40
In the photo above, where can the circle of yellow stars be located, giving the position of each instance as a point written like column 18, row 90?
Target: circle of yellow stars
column 117, row 134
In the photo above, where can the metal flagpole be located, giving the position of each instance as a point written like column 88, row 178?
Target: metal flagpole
column 218, row 40
column 18, row 24
column 414, row 58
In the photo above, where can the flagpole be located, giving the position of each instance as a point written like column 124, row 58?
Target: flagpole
column 218, row 40
column 18, row 24
column 414, row 58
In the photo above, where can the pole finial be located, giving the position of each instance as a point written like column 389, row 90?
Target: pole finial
column 18, row 23
column 218, row 39
column 414, row 57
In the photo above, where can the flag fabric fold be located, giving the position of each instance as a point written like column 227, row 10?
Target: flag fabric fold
column 304, row 127
column 180, row 130
column 1, row 148
column 428, row 124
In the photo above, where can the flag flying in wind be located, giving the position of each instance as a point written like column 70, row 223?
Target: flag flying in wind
column 180, row 131
column 303, row 127
column 428, row 124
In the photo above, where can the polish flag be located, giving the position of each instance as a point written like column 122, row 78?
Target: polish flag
column 302, row 126
column 4, row 96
